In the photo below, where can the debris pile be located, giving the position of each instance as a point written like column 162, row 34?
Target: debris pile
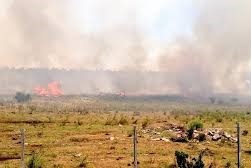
column 176, row 133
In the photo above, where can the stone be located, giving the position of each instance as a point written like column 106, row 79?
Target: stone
column 165, row 139
column 227, row 135
column 216, row 137
column 156, row 139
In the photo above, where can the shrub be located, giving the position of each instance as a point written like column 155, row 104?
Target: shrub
column 195, row 125
column 34, row 162
column 111, row 121
column 190, row 133
column 123, row 121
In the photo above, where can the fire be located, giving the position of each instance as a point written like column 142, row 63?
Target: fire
column 52, row 89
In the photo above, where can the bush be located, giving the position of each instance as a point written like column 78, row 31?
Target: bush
column 22, row 97
column 195, row 125
column 34, row 162
column 183, row 160
column 219, row 119
column 112, row 120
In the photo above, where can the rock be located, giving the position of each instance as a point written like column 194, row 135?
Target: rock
column 112, row 138
column 156, row 139
column 78, row 155
column 196, row 135
column 15, row 137
column 36, row 145
column 210, row 133
column 233, row 140
column 225, row 134
column 157, row 133
column 216, row 137
column 165, row 139
column 179, row 139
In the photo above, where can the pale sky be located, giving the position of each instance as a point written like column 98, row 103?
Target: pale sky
column 158, row 19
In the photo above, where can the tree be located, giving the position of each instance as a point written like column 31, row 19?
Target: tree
column 212, row 99
column 22, row 97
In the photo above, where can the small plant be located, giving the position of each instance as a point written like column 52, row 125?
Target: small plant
column 145, row 122
column 79, row 122
column 34, row 162
column 130, row 133
column 228, row 165
column 123, row 121
column 202, row 137
column 245, row 132
column 83, row 163
column 219, row 119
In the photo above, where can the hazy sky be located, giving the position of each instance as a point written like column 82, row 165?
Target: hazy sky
column 160, row 20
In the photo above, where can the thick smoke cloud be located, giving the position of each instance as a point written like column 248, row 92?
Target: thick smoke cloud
column 42, row 34
column 214, row 58
column 217, row 56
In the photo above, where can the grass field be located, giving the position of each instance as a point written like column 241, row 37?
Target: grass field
column 72, row 131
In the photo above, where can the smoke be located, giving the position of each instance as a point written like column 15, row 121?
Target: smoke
column 43, row 34
column 214, row 58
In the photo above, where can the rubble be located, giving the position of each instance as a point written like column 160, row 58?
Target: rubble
column 180, row 134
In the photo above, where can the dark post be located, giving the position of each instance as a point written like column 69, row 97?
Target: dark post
column 22, row 148
column 238, row 146
column 135, row 162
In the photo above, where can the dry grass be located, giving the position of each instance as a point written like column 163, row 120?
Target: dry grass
column 64, row 135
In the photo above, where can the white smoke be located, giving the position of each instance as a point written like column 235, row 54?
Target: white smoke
column 214, row 58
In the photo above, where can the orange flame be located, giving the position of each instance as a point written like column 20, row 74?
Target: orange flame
column 53, row 89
